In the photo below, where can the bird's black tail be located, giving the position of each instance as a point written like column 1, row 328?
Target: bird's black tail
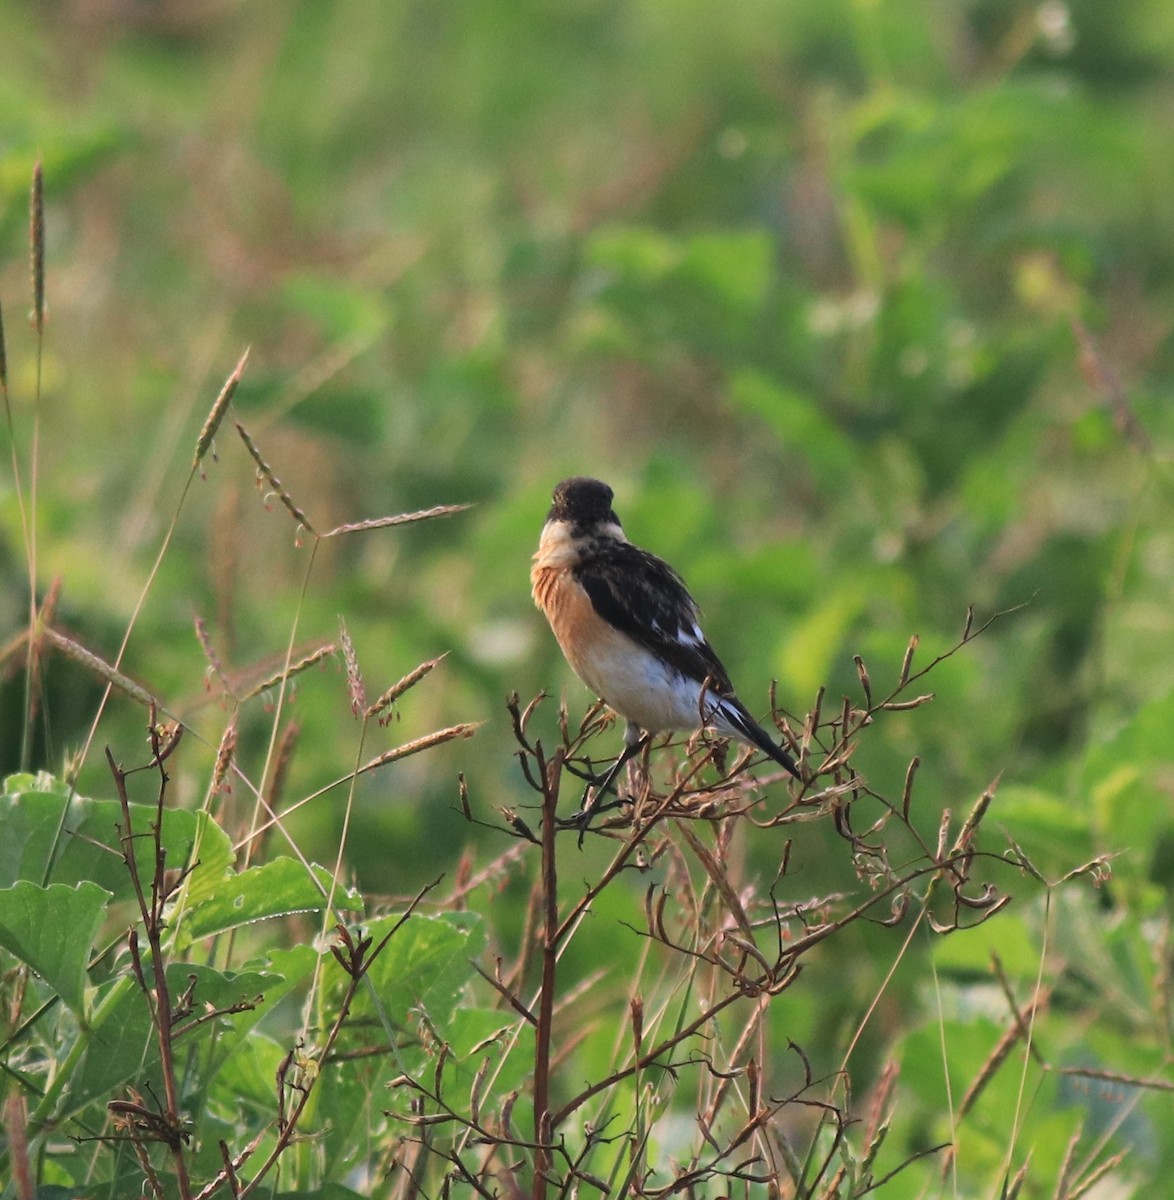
column 767, row 746
column 730, row 717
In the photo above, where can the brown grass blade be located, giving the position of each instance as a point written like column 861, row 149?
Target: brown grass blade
column 423, row 514
column 397, row 689
column 212, row 424
column 37, row 246
column 266, row 473
column 296, row 668
column 422, row 743
column 100, row 667
column 3, row 360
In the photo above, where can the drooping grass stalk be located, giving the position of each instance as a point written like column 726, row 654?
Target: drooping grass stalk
column 29, row 522
column 202, row 444
column 279, row 704
column 1029, row 1034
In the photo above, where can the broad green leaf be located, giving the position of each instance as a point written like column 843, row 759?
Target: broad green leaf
column 1053, row 832
column 31, row 811
column 79, row 839
column 1116, row 960
column 213, row 858
column 812, row 643
column 799, row 424
column 737, row 266
column 642, row 255
column 1123, row 776
column 328, row 1191
column 247, row 1077
column 425, row 967
column 966, row 1046
column 42, row 781
column 971, row 951
column 52, row 930
column 276, row 889
column 122, row 1045
column 342, row 310
column 283, row 971
column 476, row 1033
column 115, row 1047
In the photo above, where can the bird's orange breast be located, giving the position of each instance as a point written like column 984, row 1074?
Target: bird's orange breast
column 639, row 686
column 582, row 634
column 591, row 645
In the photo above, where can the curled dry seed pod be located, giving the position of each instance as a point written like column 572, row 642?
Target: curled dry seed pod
column 636, row 1010
column 906, row 705
column 865, row 682
column 907, row 661
column 907, row 790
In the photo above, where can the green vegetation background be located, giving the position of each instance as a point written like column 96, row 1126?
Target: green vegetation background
column 864, row 309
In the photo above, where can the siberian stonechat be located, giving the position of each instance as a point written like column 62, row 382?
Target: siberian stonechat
column 629, row 627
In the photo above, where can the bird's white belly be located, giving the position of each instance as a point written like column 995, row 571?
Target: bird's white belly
column 637, row 684
column 643, row 689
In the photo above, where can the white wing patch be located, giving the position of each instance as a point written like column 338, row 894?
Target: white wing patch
column 691, row 637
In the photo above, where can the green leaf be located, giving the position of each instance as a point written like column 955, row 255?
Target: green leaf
column 246, row 1079
column 474, row 1033
column 737, row 266
column 328, row 1191
column 71, row 840
column 52, row 930
column 42, row 781
column 213, row 859
column 1128, row 812
column 282, row 971
column 643, row 255
column 122, row 1044
column 424, row 969
column 343, row 311
column 1053, row 832
column 798, row 422
column 31, row 816
column 970, row 952
column 811, row 644
column 277, row 889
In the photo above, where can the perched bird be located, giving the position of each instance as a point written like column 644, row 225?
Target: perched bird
column 629, row 627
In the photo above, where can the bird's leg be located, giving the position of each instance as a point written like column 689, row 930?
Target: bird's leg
column 634, row 743
column 638, row 743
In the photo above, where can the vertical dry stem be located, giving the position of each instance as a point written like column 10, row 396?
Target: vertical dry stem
column 550, row 943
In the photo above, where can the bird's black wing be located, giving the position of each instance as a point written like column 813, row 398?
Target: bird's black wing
column 642, row 596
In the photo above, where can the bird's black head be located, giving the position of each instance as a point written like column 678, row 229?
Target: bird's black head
column 583, row 503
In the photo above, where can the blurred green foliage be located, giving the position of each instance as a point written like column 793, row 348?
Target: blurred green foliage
column 863, row 307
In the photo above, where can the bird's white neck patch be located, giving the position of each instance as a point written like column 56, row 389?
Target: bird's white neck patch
column 556, row 547
column 610, row 530
column 559, row 547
